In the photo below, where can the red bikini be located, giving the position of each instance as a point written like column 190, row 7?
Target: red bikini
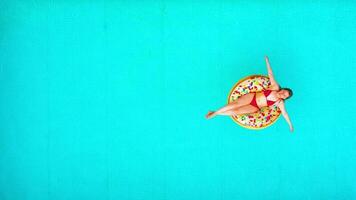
column 266, row 93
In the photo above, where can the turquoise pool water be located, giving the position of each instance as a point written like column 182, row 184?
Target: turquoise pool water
column 107, row 100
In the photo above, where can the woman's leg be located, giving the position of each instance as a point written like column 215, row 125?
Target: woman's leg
column 227, row 110
column 246, row 110
column 234, row 111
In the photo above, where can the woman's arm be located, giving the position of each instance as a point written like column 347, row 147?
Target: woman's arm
column 274, row 84
column 285, row 115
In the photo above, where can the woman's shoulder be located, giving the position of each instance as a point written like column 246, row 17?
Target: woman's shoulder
column 274, row 87
column 280, row 102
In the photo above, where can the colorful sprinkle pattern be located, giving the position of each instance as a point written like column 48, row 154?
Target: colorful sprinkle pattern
column 266, row 115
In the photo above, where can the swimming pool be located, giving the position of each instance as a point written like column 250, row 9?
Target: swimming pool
column 107, row 100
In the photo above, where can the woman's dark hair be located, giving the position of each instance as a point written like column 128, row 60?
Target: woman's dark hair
column 289, row 90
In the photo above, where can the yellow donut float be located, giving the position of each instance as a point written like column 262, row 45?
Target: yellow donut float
column 266, row 116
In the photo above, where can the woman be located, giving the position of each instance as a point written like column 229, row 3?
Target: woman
column 253, row 102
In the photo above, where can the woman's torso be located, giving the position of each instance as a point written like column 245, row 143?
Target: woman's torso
column 264, row 98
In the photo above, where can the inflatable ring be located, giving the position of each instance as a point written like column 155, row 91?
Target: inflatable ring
column 266, row 116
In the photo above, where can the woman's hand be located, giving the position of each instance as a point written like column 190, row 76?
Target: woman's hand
column 266, row 58
column 291, row 128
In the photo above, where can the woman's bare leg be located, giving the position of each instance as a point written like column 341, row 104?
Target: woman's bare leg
column 224, row 110
column 241, row 101
column 234, row 111
column 246, row 110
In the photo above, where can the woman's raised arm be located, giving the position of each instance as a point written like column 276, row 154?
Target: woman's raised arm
column 274, row 84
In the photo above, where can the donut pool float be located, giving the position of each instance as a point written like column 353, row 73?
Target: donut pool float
column 263, row 118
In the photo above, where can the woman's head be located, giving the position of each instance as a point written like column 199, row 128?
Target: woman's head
column 285, row 93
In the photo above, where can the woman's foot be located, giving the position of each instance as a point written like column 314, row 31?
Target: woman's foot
column 209, row 115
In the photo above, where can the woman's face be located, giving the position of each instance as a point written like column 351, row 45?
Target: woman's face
column 283, row 94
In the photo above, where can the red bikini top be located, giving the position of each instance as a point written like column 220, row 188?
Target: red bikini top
column 267, row 93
